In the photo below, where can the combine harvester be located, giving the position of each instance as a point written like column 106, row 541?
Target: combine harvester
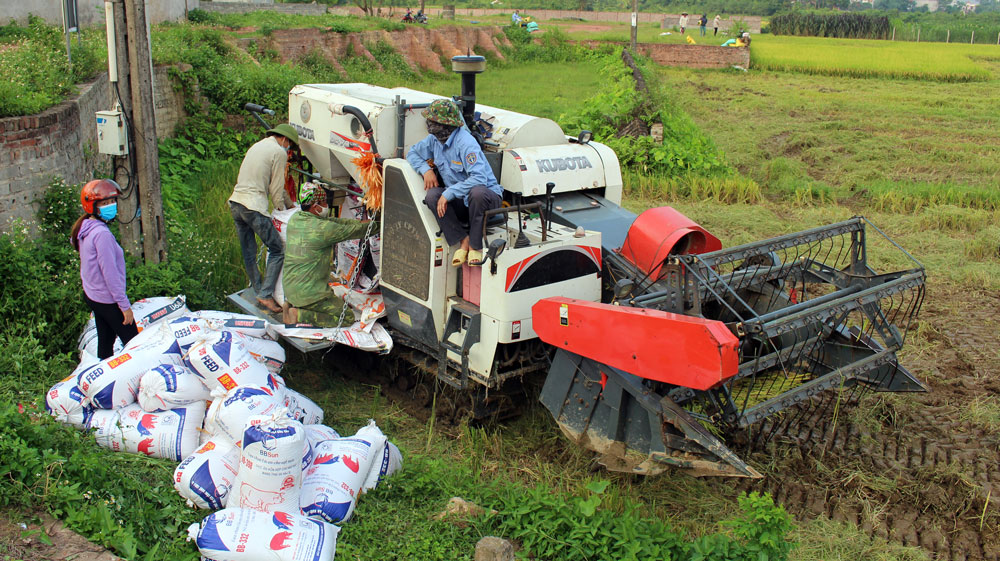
column 660, row 347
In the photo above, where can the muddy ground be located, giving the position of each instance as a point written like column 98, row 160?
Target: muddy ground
column 915, row 468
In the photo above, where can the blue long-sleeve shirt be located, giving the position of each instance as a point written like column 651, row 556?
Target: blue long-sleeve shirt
column 460, row 160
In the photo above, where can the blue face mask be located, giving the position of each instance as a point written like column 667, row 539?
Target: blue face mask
column 108, row 213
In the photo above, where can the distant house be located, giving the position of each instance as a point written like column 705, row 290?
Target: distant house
column 932, row 5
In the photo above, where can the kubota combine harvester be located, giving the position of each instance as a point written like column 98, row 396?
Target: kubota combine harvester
column 661, row 348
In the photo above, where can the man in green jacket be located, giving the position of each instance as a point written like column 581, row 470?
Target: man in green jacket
column 309, row 244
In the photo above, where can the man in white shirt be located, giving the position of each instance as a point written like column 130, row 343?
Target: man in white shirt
column 262, row 177
column 683, row 22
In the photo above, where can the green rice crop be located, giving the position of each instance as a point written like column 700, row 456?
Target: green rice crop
column 872, row 59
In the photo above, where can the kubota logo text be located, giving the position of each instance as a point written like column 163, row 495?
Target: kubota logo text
column 563, row 164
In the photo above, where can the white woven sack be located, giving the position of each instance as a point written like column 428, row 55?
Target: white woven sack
column 236, row 534
column 114, row 382
column 302, row 409
column 205, row 477
column 229, row 413
column 280, row 219
column 223, row 361
column 246, row 324
column 169, row 434
column 387, row 463
column 67, row 404
column 319, row 433
column 332, row 484
column 270, row 474
column 267, row 352
column 150, row 311
column 168, row 386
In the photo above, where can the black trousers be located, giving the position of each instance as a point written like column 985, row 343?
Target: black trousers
column 458, row 215
column 109, row 318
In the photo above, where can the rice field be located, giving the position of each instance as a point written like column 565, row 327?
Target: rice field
column 863, row 58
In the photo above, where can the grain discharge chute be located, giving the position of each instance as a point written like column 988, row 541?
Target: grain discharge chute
column 659, row 348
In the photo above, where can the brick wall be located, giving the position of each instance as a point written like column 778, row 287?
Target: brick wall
column 422, row 48
column 244, row 7
column 696, row 56
column 690, row 56
column 61, row 141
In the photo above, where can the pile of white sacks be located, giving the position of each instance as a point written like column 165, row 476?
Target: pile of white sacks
column 203, row 389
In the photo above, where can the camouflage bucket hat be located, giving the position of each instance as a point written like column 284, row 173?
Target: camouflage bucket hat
column 443, row 111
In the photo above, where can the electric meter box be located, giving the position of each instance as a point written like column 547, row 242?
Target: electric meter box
column 112, row 138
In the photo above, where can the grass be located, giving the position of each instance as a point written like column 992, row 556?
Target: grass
column 872, row 59
column 515, row 87
column 920, row 142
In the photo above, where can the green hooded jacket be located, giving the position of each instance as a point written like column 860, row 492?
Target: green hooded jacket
column 309, row 245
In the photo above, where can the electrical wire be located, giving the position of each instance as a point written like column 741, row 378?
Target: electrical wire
column 130, row 170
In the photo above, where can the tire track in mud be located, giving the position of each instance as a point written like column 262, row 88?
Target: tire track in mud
column 913, row 468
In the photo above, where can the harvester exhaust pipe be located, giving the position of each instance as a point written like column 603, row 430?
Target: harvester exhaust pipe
column 468, row 66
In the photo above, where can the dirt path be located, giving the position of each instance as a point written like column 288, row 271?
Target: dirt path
column 35, row 537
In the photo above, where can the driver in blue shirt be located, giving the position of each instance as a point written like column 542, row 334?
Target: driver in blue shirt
column 470, row 188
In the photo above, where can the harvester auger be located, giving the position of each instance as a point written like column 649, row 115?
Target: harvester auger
column 662, row 349
column 778, row 323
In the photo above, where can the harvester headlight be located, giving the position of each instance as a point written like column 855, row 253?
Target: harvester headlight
column 585, row 137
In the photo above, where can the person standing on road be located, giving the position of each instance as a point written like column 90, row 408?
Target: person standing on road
column 683, row 23
column 715, row 24
column 102, row 266
column 262, row 177
column 702, row 23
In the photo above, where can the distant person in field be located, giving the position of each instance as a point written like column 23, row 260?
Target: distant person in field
column 715, row 24
column 683, row 23
column 702, row 22
column 515, row 18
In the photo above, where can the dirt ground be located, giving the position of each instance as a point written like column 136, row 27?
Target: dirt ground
column 39, row 537
column 922, row 469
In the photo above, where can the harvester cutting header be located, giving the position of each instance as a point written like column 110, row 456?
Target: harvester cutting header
column 660, row 347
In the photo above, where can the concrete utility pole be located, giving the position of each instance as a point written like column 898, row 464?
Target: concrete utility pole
column 635, row 24
column 121, row 91
column 133, row 38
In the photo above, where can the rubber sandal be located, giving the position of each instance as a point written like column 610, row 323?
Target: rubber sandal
column 459, row 257
column 475, row 258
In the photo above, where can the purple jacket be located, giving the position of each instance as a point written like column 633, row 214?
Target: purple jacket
column 102, row 264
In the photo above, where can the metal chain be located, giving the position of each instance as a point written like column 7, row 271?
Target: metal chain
column 362, row 247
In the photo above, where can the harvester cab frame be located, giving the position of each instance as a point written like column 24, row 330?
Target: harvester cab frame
column 661, row 348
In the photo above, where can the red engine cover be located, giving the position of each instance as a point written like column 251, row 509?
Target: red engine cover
column 660, row 231
column 683, row 350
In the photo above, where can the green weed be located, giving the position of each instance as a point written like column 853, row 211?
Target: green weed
column 985, row 245
column 36, row 73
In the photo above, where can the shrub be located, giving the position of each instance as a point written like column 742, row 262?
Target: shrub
column 685, row 149
column 37, row 74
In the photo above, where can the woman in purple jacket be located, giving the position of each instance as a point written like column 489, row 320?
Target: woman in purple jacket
column 102, row 265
